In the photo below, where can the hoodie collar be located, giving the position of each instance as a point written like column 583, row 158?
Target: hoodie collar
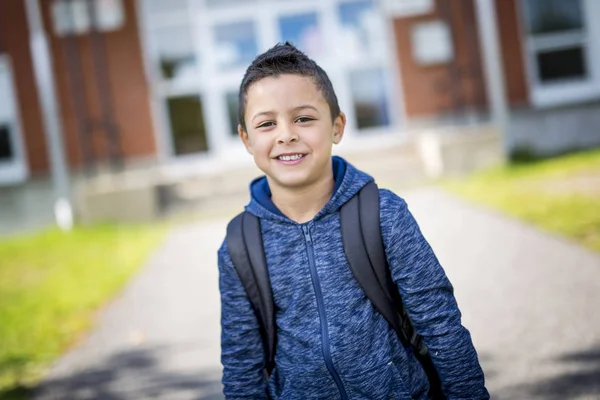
column 348, row 181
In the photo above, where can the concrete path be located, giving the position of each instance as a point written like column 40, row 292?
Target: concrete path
column 529, row 299
column 160, row 338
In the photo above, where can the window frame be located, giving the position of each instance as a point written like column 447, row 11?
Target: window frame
column 14, row 170
column 568, row 90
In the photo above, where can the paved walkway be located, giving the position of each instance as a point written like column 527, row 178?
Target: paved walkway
column 529, row 299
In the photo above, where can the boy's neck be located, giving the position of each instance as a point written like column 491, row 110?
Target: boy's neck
column 303, row 203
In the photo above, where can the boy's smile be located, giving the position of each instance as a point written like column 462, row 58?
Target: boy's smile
column 291, row 159
column 289, row 130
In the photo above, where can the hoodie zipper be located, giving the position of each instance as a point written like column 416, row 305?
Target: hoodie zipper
column 322, row 315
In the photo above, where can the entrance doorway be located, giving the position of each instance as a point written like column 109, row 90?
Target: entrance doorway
column 198, row 51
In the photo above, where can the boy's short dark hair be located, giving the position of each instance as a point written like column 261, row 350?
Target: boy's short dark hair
column 285, row 58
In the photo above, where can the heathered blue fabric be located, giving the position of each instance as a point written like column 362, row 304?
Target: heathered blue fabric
column 365, row 352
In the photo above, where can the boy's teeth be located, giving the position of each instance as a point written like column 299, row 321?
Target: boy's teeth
column 290, row 158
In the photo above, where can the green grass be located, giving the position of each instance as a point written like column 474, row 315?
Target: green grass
column 51, row 285
column 561, row 195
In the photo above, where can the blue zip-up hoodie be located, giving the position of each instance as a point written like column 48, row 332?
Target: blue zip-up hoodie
column 331, row 342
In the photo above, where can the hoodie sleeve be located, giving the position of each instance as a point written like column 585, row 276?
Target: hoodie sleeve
column 242, row 352
column 429, row 299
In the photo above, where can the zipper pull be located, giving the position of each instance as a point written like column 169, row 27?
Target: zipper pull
column 306, row 234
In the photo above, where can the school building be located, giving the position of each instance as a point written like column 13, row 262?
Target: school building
column 154, row 82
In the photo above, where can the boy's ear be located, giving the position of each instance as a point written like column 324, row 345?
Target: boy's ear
column 339, row 124
column 245, row 138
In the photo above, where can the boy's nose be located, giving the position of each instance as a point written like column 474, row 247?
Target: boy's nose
column 287, row 135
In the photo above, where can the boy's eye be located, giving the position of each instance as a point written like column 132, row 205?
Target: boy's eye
column 304, row 119
column 266, row 124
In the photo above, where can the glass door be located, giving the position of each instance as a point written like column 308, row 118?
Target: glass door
column 13, row 168
column 176, row 70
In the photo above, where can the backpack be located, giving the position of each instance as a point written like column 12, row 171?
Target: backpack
column 363, row 245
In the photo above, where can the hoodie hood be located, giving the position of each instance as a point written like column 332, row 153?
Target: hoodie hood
column 348, row 182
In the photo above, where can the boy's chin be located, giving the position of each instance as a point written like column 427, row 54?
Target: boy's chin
column 292, row 181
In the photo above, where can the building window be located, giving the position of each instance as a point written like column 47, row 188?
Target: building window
column 232, row 111
column 12, row 160
column 557, row 38
column 187, row 124
column 369, row 97
column 6, row 150
column 355, row 23
column 177, row 59
column 74, row 17
column 553, row 16
column 302, row 30
column 557, row 65
column 236, row 44
column 362, row 30
column 561, row 50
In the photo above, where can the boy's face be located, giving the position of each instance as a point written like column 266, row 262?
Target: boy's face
column 290, row 132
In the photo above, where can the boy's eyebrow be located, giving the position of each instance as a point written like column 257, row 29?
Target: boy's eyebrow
column 303, row 107
column 263, row 113
column 295, row 109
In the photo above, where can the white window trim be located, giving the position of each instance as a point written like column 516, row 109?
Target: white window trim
column 16, row 170
column 568, row 91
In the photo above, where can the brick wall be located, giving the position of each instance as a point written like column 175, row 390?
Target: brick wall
column 14, row 39
column 439, row 89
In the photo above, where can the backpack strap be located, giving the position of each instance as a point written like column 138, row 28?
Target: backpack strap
column 365, row 252
column 359, row 216
column 369, row 217
column 245, row 245
column 370, row 227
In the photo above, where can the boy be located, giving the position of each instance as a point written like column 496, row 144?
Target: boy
column 331, row 342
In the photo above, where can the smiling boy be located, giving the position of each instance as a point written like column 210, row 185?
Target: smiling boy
column 332, row 343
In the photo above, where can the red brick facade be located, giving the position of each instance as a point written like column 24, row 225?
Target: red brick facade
column 444, row 88
column 130, row 92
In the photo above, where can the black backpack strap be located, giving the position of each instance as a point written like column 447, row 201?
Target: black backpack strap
column 365, row 252
column 370, row 226
column 245, row 245
column 369, row 219
column 359, row 259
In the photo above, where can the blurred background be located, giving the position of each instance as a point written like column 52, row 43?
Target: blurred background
column 120, row 166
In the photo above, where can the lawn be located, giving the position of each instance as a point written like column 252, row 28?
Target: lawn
column 51, row 285
column 561, row 195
